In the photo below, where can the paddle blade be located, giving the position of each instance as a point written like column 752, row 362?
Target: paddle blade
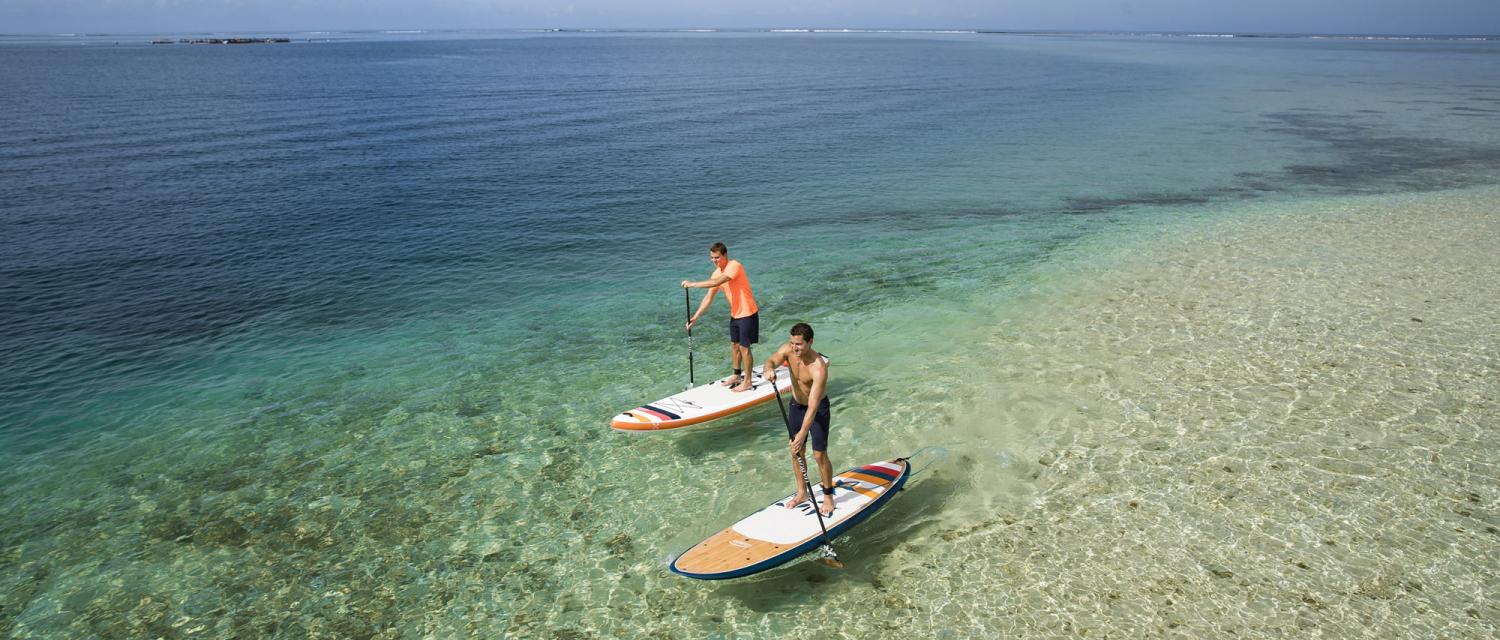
column 828, row 557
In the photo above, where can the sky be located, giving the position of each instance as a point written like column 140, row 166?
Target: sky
column 1469, row 17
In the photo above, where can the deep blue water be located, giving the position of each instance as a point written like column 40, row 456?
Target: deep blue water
column 161, row 200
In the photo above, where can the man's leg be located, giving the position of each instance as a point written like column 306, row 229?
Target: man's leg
column 734, row 362
column 801, row 496
column 747, row 363
column 825, row 473
column 795, row 413
column 746, row 333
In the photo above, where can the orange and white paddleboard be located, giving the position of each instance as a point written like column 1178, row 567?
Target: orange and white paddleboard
column 775, row 535
column 701, row 404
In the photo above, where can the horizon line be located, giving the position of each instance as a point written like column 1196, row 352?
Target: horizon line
column 785, row 29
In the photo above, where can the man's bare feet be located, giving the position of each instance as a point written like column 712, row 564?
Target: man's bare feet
column 798, row 499
column 731, row 381
column 743, row 386
column 826, row 508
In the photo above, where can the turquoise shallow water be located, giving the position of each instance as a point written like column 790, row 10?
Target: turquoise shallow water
column 322, row 339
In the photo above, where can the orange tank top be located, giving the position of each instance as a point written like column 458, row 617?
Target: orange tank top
column 737, row 289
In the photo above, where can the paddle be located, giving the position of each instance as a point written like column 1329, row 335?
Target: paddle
column 828, row 556
column 687, row 307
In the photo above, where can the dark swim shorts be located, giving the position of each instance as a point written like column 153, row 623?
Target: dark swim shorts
column 818, row 432
column 745, row 331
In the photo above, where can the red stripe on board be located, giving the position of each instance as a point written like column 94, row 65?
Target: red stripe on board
column 880, row 471
column 865, row 477
column 654, row 413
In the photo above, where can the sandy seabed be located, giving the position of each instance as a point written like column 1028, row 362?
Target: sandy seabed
column 1277, row 424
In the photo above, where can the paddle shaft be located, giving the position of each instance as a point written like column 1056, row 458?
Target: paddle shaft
column 687, row 308
column 802, row 465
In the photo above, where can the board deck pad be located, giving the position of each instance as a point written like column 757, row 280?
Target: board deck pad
column 775, row 535
column 701, row 404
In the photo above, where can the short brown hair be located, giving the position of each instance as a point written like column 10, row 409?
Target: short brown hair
column 719, row 248
column 804, row 330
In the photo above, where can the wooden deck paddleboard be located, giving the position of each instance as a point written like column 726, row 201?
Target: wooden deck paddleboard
column 701, row 404
column 775, row 535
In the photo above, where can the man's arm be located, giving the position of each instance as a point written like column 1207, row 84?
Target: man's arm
column 814, row 398
column 778, row 358
column 710, row 283
column 819, row 375
column 708, row 300
column 720, row 276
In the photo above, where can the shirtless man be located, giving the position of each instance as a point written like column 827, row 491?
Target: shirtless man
column 744, row 314
column 808, row 411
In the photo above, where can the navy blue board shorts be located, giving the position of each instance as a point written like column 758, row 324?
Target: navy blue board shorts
column 745, row 331
column 818, row 432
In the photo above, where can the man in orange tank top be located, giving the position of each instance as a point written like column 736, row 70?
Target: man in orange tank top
column 744, row 315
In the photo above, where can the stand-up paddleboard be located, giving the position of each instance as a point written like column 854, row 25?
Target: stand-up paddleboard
column 775, row 535
column 701, row 404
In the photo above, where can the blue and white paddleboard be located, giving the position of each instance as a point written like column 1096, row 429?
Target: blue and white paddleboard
column 775, row 535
